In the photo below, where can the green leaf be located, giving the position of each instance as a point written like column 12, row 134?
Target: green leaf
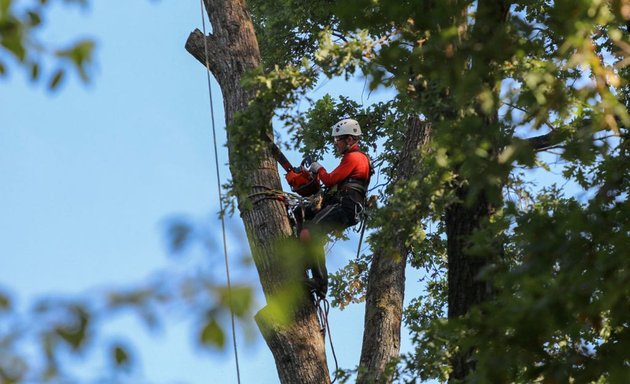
column 212, row 334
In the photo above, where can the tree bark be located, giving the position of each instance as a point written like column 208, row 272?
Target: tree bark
column 386, row 280
column 465, row 289
column 298, row 347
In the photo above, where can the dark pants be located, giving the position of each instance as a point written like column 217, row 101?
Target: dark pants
column 334, row 216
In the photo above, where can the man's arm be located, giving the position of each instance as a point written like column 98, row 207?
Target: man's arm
column 339, row 174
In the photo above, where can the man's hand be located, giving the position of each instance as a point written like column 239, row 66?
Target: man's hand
column 315, row 167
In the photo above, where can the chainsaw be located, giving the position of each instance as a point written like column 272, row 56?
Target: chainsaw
column 301, row 180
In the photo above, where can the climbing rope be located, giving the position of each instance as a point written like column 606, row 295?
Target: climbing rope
column 216, row 163
column 362, row 230
column 274, row 194
column 371, row 202
column 323, row 307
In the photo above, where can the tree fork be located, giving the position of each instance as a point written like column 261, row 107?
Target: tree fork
column 386, row 282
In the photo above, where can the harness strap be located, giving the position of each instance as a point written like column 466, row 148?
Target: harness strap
column 354, row 184
column 358, row 185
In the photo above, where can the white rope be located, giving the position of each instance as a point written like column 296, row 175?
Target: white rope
column 216, row 161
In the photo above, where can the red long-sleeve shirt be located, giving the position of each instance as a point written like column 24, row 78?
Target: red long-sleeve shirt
column 354, row 164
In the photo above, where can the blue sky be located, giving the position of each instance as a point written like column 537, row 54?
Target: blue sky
column 92, row 168
column 92, row 173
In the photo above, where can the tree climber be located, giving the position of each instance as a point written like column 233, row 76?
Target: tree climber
column 343, row 200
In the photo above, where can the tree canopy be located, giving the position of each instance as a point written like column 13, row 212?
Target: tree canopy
column 509, row 87
column 21, row 44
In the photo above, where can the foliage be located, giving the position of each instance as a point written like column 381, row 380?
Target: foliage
column 488, row 75
column 287, row 30
column 349, row 284
column 20, row 42
column 562, row 312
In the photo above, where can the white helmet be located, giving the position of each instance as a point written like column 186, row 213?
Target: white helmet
column 346, row 127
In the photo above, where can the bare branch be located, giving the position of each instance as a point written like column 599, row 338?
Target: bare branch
column 541, row 142
column 196, row 46
column 528, row 116
column 340, row 36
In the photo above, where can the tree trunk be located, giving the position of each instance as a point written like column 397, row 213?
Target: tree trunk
column 298, row 347
column 386, row 280
column 465, row 289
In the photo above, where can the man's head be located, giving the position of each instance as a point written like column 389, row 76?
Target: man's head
column 345, row 133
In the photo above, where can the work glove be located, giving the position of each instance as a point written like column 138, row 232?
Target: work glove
column 315, row 167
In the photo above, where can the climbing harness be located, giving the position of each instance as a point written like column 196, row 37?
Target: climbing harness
column 220, row 193
column 296, row 205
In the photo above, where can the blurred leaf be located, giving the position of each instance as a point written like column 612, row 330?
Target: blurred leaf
column 56, row 79
column 278, row 310
column 212, row 334
column 20, row 31
column 5, row 302
column 34, row 18
column 74, row 333
column 4, row 7
column 12, row 369
column 12, row 41
column 241, row 298
column 80, row 55
column 49, row 344
column 34, row 71
column 179, row 235
column 121, row 356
